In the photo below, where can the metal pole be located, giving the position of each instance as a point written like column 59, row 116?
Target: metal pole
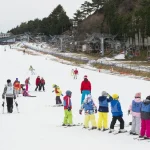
column 61, row 43
column 102, row 46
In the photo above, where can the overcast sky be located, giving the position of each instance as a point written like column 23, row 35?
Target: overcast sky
column 13, row 12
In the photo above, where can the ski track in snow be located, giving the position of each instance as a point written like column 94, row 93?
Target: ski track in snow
column 36, row 126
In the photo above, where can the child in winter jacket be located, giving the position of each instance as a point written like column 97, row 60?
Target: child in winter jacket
column 117, row 114
column 27, row 82
column 145, row 118
column 103, row 111
column 38, row 83
column 67, row 109
column 17, row 87
column 42, row 84
column 58, row 93
column 135, row 109
column 26, row 94
column 89, row 108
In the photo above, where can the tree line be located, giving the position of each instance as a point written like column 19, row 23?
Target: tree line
column 56, row 23
column 123, row 18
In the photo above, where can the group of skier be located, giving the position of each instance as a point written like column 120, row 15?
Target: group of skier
column 139, row 109
column 11, row 91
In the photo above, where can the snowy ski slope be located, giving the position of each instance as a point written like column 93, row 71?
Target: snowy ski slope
column 37, row 126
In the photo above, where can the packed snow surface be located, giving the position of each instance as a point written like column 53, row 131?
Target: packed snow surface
column 37, row 126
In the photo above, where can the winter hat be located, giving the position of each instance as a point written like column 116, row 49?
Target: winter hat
column 138, row 95
column 68, row 93
column 8, row 81
column 88, row 98
column 85, row 76
column 115, row 96
column 104, row 93
column 148, row 97
column 54, row 85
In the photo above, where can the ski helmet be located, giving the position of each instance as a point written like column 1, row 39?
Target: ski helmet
column 54, row 86
column 115, row 96
column 68, row 93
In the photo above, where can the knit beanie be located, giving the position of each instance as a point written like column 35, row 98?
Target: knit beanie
column 148, row 97
column 104, row 93
column 138, row 95
column 85, row 76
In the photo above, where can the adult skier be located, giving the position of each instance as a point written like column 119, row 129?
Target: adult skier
column 9, row 93
column 85, row 88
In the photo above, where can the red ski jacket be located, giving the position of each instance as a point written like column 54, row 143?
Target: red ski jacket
column 67, row 102
column 38, row 81
column 85, row 85
column 76, row 72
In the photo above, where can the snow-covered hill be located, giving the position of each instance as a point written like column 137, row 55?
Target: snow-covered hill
column 36, row 127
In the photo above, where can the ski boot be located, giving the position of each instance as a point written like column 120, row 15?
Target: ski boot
column 111, row 130
column 105, row 129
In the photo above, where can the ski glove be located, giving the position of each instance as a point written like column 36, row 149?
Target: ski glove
column 62, row 95
column 3, row 97
column 80, row 112
column 69, row 108
column 3, row 104
column 128, row 112
column 16, row 104
column 95, row 110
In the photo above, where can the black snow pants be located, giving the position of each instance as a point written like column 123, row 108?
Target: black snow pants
column 113, row 122
column 9, row 101
column 42, row 87
column 38, row 87
column 58, row 100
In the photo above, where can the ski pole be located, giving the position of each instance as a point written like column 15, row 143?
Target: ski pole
column 3, row 107
column 16, row 106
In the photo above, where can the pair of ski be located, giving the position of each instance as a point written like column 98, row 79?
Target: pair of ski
column 142, row 139
column 73, row 125
column 118, row 132
column 57, row 105
column 3, row 104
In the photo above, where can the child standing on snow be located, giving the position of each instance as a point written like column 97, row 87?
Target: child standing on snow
column 135, row 109
column 58, row 93
column 17, row 87
column 67, row 109
column 27, row 82
column 103, row 111
column 90, row 109
column 117, row 114
column 145, row 119
column 42, row 84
